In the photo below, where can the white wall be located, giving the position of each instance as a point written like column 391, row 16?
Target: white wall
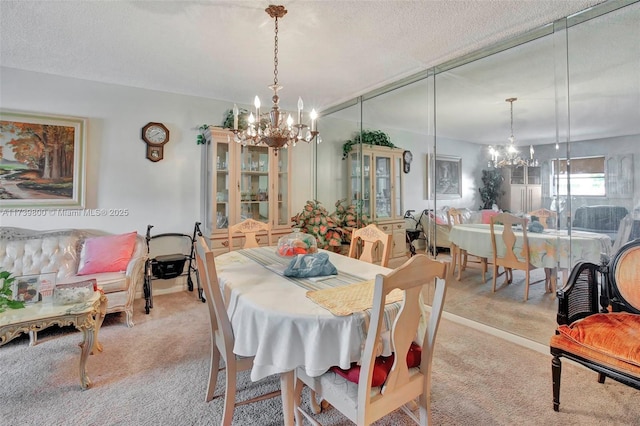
column 165, row 194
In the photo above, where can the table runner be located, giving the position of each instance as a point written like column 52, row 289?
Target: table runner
column 267, row 257
column 346, row 300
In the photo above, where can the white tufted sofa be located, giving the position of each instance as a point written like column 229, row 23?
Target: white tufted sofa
column 26, row 252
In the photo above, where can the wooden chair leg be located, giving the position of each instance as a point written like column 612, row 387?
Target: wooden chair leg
column 213, row 371
column 483, row 262
column 556, row 371
column 526, row 285
column 230, row 394
column 495, row 277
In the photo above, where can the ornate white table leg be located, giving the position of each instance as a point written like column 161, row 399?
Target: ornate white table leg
column 286, row 388
column 90, row 327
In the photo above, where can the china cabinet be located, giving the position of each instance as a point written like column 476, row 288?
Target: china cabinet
column 376, row 183
column 523, row 189
column 241, row 182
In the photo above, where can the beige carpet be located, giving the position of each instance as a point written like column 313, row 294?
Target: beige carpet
column 156, row 374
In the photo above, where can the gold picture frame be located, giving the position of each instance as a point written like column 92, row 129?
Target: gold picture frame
column 42, row 160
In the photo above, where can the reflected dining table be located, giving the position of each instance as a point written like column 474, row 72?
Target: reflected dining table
column 550, row 249
column 276, row 323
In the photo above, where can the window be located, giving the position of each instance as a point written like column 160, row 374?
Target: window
column 586, row 176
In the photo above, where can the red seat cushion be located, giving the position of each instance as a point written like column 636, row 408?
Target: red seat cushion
column 613, row 334
column 381, row 367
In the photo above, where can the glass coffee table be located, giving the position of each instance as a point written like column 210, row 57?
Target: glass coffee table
column 86, row 316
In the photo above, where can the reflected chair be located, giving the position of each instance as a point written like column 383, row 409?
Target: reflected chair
column 510, row 259
column 222, row 337
column 544, row 216
column 602, row 338
column 249, row 228
column 363, row 403
column 455, row 218
column 370, row 236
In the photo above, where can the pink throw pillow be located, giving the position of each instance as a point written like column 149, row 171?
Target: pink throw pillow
column 438, row 219
column 487, row 215
column 110, row 253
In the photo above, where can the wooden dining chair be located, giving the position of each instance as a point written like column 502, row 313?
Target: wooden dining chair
column 249, row 228
column 364, row 403
column 544, row 215
column 222, row 337
column 370, row 236
column 510, row 259
column 455, row 218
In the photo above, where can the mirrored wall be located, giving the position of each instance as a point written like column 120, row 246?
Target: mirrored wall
column 567, row 96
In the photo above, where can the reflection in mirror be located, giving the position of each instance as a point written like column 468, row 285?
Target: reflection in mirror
column 577, row 118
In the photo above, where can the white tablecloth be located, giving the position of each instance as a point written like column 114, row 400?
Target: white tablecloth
column 547, row 249
column 275, row 322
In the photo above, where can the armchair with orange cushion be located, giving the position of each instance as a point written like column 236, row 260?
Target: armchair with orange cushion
column 603, row 338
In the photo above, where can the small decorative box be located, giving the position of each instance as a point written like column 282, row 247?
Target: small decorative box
column 72, row 293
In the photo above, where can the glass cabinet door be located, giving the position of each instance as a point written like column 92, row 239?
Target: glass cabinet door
column 221, row 184
column 397, row 187
column 360, row 182
column 383, row 187
column 282, row 160
column 517, row 176
column 254, row 183
column 533, row 176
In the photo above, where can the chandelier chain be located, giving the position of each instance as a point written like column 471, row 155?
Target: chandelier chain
column 275, row 56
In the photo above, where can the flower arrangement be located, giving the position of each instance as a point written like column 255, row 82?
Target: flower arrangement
column 6, row 300
column 330, row 230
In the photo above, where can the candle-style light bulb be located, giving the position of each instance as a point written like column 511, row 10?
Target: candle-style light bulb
column 531, row 151
column 300, row 107
column 251, row 119
column 313, row 115
column 256, row 102
column 235, row 117
column 289, row 121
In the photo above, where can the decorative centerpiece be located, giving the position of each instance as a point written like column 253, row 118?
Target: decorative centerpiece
column 330, row 230
column 297, row 243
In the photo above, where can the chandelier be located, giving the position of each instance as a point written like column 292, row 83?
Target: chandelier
column 272, row 129
column 508, row 155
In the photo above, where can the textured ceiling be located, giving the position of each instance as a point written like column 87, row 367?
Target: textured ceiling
column 330, row 51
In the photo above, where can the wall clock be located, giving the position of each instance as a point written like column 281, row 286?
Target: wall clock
column 407, row 158
column 155, row 135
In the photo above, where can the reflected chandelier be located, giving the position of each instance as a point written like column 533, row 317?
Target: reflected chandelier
column 273, row 130
column 508, row 155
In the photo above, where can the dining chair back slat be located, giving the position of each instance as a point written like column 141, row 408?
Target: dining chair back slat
column 370, row 236
column 249, row 228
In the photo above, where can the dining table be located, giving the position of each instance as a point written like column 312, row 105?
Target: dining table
column 275, row 320
column 550, row 249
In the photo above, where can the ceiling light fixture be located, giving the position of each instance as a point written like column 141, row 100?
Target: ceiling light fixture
column 508, row 155
column 273, row 130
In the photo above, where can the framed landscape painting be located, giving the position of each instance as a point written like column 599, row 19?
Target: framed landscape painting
column 41, row 160
column 448, row 177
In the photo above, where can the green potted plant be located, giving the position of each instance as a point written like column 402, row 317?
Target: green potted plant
column 490, row 192
column 368, row 137
column 6, row 294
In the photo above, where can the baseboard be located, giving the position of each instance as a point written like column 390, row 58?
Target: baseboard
column 160, row 287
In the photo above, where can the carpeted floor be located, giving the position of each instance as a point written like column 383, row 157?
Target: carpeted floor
column 156, row 374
